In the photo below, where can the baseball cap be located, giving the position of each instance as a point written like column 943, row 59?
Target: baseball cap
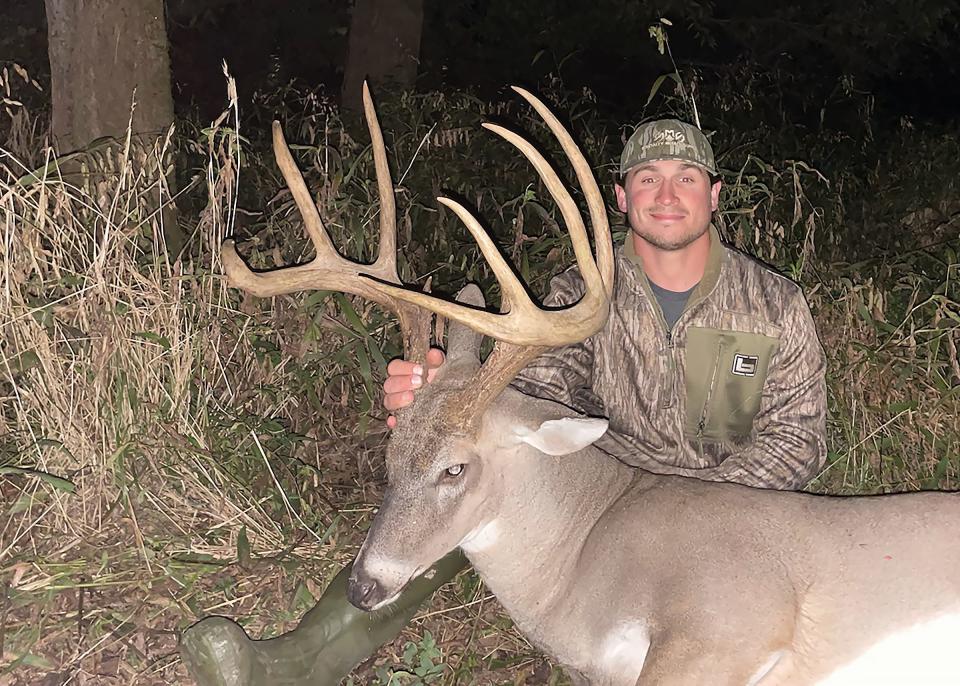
column 667, row 139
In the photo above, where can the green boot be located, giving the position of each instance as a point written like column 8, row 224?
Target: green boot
column 331, row 639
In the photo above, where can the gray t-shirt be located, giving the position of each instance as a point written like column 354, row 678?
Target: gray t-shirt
column 671, row 302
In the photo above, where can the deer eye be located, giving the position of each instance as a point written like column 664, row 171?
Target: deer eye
column 454, row 470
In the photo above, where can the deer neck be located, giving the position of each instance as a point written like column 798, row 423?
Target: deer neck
column 541, row 511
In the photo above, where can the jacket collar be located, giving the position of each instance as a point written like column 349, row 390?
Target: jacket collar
column 711, row 273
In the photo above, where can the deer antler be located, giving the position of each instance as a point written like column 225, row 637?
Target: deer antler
column 329, row 270
column 524, row 330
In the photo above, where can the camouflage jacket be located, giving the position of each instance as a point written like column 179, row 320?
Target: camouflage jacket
column 735, row 392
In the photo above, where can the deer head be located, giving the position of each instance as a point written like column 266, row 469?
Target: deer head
column 439, row 475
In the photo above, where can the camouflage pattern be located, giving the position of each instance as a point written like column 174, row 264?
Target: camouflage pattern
column 735, row 392
column 667, row 139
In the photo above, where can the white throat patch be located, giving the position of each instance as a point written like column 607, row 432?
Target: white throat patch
column 482, row 538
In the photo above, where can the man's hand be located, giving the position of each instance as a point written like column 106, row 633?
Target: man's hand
column 404, row 378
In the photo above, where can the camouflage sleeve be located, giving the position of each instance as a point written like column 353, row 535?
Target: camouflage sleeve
column 788, row 447
column 563, row 374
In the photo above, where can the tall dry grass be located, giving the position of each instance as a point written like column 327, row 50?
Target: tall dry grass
column 140, row 424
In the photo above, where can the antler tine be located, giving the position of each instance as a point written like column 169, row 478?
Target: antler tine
column 327, row 271
column 507, row 359
column 387, row 257
column 525, row 323
column 301, row 195
column 588, row 184
column 566, row 203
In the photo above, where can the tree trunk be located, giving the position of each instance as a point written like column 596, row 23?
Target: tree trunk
column 384, row 46
column 106, row 56
column 100, row 51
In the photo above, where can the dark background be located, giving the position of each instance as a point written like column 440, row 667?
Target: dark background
column 901, row 52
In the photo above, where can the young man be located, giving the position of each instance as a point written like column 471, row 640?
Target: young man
column 709, row 366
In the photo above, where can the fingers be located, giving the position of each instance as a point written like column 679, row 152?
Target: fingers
column 400, row 367
column 435, row 358
column 399, row 384
column 394, row 401
column 404, row 377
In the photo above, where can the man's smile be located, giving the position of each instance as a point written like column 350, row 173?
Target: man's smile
column 667, row 216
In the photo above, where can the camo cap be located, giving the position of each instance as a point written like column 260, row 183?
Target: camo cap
column 667, row 139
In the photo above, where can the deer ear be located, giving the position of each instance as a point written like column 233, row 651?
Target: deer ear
column 563, row 436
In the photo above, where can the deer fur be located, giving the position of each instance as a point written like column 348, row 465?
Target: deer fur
column 628, row 577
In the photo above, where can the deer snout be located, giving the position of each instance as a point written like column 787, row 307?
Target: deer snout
column 364, row 591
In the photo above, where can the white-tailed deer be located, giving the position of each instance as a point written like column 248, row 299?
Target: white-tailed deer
column 625, row 577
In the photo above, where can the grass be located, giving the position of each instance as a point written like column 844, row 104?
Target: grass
column 170, row 448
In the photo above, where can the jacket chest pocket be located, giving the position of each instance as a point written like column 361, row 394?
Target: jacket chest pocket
column 724, row 376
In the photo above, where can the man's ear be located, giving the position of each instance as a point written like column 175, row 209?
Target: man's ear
column 563, row 436
column 621, row 197
column 715, row 195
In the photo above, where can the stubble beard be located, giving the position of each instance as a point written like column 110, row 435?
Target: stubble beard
column 669, row 243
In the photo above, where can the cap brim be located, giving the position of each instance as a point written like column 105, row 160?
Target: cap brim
column 669, row 159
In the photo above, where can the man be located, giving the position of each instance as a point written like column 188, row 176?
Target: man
column 709, row 365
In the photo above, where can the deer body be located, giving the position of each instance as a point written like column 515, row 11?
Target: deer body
column 628, row 577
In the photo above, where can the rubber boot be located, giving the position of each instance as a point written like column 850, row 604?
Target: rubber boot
column 331, row 639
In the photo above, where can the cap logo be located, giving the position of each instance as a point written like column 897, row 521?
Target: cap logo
column 669, row 136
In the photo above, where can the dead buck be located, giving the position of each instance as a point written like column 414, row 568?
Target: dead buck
column 624, row 576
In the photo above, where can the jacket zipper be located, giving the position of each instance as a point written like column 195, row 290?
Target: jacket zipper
column 705, row 410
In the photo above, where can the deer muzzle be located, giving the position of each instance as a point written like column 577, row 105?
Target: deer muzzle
column 377, row 579
column 365, row 592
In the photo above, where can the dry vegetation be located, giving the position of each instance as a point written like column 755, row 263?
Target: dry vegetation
column 170, row 448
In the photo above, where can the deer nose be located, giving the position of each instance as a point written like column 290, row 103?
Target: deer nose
column 363, row 591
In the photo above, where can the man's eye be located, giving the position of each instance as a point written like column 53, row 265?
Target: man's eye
column 455, row 470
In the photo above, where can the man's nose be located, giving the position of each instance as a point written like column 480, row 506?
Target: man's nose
column 665, row 195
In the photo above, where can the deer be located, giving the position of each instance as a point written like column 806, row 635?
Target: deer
column 623, row 576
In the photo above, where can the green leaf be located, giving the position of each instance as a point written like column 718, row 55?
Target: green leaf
column 302, row 597
column 363, row 361
column 903, row 406
column 351, row 314
column 243, row 547
column 162, row 341
column 655, row 88
column 57, row 482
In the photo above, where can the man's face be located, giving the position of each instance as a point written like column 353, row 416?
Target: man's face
column 668, row 203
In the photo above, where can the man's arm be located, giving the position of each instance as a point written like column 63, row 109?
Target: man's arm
column 563, row 374
column 788, row 447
